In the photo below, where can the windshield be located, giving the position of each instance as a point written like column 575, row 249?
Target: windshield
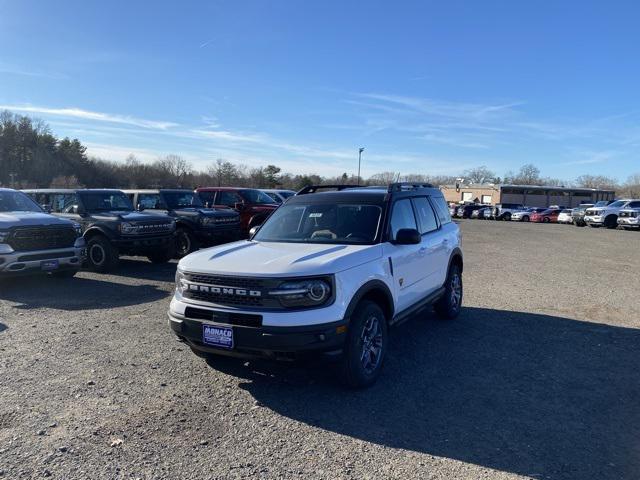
column 256, row 196
column 17, row 202
column 274, row 196
column 602, row 203
column 340, row 223
column 181, row 200
column 619, row 203
column 105, row 201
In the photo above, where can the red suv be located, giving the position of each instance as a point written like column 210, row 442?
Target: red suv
column 547, row 216
column 253, row 205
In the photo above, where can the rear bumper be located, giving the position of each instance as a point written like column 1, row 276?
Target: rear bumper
column 24, row 263
column 285, row 343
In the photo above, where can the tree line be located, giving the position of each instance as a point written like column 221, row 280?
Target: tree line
column 31, row 156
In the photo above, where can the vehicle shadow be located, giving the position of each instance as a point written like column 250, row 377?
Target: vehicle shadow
column 531, row 394
column 75, row 293
column 142, row 269
column 3, row 327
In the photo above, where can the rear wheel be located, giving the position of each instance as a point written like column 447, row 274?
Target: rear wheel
column 546, row 219
column 101, row 255
column 525, row 218
column 365, row 346
column 507, row 217
column 186, row 242
column 449, row 305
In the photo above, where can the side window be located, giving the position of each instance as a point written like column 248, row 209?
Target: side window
column 149, row 200
column 425, row 215
column 402, row 217
column 207, row 198
column 633, row 205
column 228, row 198
column 441, row 209
column 63, row 202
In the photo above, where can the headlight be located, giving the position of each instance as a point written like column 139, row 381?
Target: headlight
column 207, row 220
column 311, row 292
column 127, row 228
column 3, row 236
column 78, row 228
column 180, row 282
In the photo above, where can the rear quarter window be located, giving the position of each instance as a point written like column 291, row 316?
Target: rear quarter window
column 441, row 209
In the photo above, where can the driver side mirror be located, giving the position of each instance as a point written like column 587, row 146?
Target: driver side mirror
column 408, row 236
column 46, row 207
column 140, row 207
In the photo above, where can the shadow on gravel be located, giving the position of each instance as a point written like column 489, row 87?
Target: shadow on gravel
column 75, row 293
column 535, row 395
column 132, row 267
column 3, row 327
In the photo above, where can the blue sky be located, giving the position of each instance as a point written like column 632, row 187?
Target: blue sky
column 426, row 87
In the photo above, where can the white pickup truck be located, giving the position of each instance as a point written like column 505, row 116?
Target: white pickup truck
column 607, row 216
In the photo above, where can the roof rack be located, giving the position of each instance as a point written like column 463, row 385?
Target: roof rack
column 405, row 186
column 315, row 188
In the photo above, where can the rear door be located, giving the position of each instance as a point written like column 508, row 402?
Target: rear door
column 434, row 246
column 405, row 259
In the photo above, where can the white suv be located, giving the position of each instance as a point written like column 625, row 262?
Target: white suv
column 608, row 216
column 328, row 272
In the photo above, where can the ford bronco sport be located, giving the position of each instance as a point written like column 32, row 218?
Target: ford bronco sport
column 31, row 241
column 196, row 226
column 110, row 225
column 329, row 271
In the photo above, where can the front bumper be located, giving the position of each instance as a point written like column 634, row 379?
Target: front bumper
column 18, row 263
column 282, row 343
column 629, row 222
column 144, row 244
column 594, row 219
column 218, row 235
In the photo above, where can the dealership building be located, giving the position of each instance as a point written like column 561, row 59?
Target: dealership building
column 530, row 195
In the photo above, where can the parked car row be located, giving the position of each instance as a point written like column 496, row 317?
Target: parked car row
column 60, row 230
column 624, row 213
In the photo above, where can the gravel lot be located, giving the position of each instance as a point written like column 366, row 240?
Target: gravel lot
column 538, row 378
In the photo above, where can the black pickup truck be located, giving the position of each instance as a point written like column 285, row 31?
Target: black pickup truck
column 110, row 225
column 196, row 226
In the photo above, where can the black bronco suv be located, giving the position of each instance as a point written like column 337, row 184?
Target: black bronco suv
column 110, row 225
column 196, row 226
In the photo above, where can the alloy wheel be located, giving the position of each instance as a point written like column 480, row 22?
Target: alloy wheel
column 371, row 339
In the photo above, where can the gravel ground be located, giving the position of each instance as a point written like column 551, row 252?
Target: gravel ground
column 538, row 378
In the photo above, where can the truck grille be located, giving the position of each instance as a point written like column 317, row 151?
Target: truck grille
column 629, row 214
column 42, row 238
column 153, row 228
column 232, row 291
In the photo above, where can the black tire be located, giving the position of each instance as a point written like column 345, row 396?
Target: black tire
column 186, row 242
column 64, row 274
column 507, row 217
column 101, row 255
column 450, row 304
column 546, row 220
column 365, row 347
column 525, row 218
column 611, row 222
column 580, row 224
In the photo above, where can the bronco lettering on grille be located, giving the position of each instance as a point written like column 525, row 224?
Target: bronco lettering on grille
column 240, row 292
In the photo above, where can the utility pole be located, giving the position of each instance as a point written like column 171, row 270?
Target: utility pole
column 360, row 150
column 13, row 176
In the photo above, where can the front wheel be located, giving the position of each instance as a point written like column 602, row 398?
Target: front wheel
column 546, row 220
column 186, row 242
column 101, row 255
column 507, row 217
column 525, row 218
column 611, row 222
column 365, row 346
column 449, row 305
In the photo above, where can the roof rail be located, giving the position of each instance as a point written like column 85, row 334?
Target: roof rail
column 404, row 186
column 315, row 188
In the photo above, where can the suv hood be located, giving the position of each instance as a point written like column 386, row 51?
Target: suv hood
column 29, row 219
column 127, row 216
column 207, row 212
column 271, row 259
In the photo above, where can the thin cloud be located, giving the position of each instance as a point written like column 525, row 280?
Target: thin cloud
column 17, row 70
column 89, row 115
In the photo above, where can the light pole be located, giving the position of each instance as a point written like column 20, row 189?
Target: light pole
column 360, row 150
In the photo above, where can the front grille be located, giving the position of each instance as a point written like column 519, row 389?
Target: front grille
column 239, row 319
column 42, row 238
column 629, row 214
column 225, row 220
column 147, row 228
column 232, row 291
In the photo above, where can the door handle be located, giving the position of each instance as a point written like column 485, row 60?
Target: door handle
column 422, row 250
